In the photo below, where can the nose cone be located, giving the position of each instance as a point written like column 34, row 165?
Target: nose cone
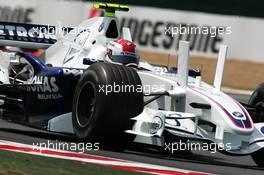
column 226, row 112
column 240, row 118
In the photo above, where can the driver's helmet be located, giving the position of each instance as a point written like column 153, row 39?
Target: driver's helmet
column 122, row 52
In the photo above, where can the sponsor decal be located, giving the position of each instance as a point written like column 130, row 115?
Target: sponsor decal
column 89, row 61
column 48, row 84
column 49, row 96
column 16, row 14
column 74, row 72
column 160, row 69
column 27, row 33
column 155, row 34
column 45, row 87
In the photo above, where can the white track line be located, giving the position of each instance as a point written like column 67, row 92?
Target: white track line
column 99, row 160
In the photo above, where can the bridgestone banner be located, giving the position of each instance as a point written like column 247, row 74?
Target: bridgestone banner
column 155, row 30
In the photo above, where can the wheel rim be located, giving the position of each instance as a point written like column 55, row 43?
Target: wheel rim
column 85, row 104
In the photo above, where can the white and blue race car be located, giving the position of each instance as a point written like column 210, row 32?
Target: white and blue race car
column 65, row 91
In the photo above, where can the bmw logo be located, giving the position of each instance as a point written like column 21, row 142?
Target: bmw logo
column 238, row 114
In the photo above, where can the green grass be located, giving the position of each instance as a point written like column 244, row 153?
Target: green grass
column 13, row 163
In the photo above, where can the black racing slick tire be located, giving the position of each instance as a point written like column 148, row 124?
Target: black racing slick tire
column 258, row 157
column 257, row 100
column 101, row 110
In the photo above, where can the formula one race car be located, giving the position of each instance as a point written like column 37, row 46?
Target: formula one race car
column 82, row 85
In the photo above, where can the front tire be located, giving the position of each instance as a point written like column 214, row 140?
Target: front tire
column 101, row 116
column 257, row 100
column 258, row 157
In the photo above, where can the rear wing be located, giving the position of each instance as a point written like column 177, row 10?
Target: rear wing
column 31, row 36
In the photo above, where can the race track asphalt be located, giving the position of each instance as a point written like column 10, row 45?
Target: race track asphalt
column 215, row 163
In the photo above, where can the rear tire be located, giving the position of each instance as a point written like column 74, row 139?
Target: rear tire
column 103, row 117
